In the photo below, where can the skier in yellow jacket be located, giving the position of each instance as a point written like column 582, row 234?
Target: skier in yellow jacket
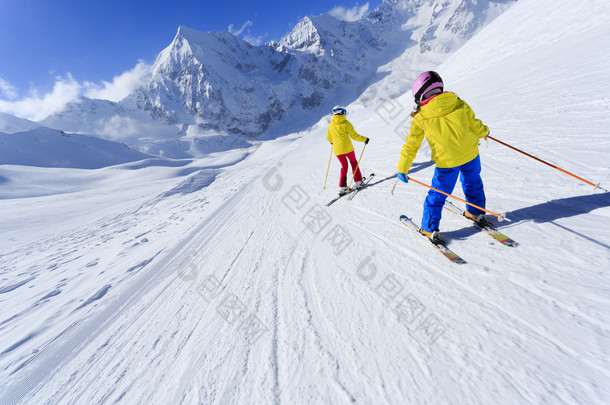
column 453, row 134
column 338, row 134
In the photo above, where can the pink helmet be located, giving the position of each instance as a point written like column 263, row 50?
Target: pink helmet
column 424, row 83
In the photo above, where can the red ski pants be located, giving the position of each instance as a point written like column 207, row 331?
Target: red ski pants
column 356, row 170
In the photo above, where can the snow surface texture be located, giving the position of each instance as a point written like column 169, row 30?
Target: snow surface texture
column 216, row 83
column 224, row 280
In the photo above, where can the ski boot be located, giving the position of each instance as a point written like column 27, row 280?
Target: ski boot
column 343, row 190
column 477, row 219
column 433, row 236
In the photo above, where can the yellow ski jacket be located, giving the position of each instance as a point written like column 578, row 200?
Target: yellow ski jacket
column 339, row 133
column 451, row 129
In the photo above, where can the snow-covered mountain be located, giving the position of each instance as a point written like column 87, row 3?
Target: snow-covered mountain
column 9, row 124
column 219, row 83
column 45, row 147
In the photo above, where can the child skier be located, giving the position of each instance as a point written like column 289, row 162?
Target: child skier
column 453, row 133
column 338, row 134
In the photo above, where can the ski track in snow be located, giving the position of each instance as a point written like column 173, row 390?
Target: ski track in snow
column 232, row 283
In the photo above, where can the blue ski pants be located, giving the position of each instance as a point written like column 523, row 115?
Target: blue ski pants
column 444, row 180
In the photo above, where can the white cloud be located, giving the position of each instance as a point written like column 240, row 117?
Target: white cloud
column 36, row 107
column 350, row 14
column 8, row 90
column 254, row 40
column 121, row 86
column 242, row 29
column 119, row 127
column 247, row 35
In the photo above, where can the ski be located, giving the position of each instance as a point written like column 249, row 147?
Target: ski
column 488, row 228
column 352, row 192
column 334, row 200
column 441, row 247
column 366, row 182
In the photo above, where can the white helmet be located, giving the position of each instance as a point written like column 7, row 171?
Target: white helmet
column 339, row 110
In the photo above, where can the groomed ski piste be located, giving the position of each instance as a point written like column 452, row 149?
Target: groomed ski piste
column 226, row 280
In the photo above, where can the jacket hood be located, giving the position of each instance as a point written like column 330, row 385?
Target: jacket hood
column 338, row 119
column 442, row 103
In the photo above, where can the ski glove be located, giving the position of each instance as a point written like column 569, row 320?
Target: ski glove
column 367, row 141
column 403, row 177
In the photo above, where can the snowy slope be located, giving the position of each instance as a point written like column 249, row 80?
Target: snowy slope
column 219, row 282
column 46, row 147
column 10, row 124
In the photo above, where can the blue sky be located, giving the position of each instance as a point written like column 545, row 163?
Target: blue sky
column 55, row 50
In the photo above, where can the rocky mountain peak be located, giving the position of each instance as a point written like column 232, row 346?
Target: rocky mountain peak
column 219, row 82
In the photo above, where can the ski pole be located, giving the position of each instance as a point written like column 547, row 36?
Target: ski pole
column 328, row 168
column 546, row 163
column 394, row 186
column 501, row 217
column 356, row 169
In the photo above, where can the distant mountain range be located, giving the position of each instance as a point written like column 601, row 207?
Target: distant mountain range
column 218, row 90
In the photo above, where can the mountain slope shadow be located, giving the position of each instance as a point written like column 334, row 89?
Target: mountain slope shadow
column 195, row 182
